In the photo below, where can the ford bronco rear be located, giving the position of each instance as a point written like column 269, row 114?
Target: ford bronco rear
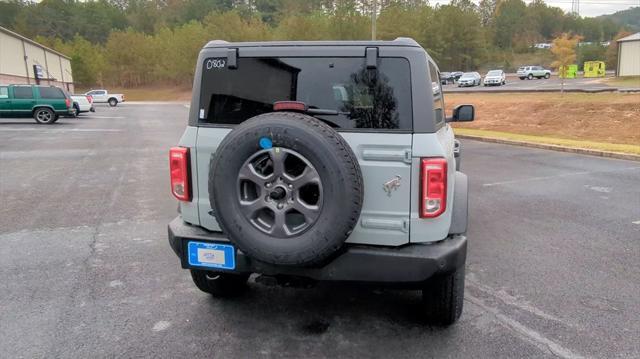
column 323, row 160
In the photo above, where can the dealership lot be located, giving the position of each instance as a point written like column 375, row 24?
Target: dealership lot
column 86, row 270
column 552, row 84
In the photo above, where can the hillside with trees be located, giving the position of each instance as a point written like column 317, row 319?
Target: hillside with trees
column 139, row 42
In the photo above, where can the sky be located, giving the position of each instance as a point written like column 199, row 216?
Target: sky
column 588, row 8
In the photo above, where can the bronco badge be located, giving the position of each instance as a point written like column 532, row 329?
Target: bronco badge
column 392, row 185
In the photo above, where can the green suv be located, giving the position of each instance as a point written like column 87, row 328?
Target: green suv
column 44, row 103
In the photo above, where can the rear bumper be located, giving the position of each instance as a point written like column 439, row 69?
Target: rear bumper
column 413, row 263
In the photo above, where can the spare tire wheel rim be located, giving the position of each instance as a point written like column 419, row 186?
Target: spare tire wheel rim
column 280, row 192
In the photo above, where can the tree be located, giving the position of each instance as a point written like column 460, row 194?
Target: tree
column 564, row 51
column 509, row 15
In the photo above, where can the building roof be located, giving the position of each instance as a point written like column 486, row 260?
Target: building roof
column 14, row 34
column 634, row 37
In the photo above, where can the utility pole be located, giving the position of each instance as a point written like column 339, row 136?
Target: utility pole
column 374, row 10
column 575, row 7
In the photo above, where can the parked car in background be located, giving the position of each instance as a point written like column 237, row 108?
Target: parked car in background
column 456, row 75
column 447, row 78
column 103, row 96
column 45, row 103
column 82, row 103
column 469, row 79
column 529, row 72
column 495, row 77
column 444, row 76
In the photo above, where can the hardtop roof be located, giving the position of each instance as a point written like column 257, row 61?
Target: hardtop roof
column 401, row 41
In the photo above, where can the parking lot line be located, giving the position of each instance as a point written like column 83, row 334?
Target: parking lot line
column 58, row 130
column 530, row 179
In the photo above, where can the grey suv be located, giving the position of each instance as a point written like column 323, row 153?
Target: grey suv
column 325, row 161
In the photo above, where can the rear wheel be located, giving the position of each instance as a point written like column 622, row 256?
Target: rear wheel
column 76, row 110
column 220, row 284
column 547, row 75
column 44, row 116
column 113, row 102
column 442, row 298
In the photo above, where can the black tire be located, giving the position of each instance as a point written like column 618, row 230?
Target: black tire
column 442, row 298
column 338, row 176
column 77, row 110
column 547, row 76
column 220, row 284
column 522, row 78
column 44, row 115
column 530, row 77
column 113, row 102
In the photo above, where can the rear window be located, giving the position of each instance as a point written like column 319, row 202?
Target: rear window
column 355, row 97
column 51, row 92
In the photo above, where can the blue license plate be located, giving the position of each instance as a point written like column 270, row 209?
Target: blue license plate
column 211, row 255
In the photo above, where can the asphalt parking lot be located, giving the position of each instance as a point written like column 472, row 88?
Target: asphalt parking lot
column 552, row 84
column 86, row 270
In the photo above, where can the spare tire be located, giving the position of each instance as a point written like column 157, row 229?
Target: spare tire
column 286, row 188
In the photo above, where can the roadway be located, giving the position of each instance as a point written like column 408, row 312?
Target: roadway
column 86, row 269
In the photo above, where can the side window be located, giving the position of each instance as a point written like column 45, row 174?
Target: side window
column 23, row 92
column 4, row 92
column 438, row 100
column 51, row 93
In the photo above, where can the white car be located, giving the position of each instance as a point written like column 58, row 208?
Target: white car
column 469, row 79
column 495, row 77
column 103, row 96
column 82, row 103
column 529, row 72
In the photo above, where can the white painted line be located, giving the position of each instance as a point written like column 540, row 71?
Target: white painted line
column 531, row 179
column 527, row 334
column 94, row 116
column 508, row 299
column 636, row 222
column 56, row 130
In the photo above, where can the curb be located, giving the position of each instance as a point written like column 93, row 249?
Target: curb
column 581, row 151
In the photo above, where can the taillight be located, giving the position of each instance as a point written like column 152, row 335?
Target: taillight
column 179, row 168
column 433, row 190
column 90, row 99
column 67, row 102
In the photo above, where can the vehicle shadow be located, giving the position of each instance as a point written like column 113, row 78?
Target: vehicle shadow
column 316, row 310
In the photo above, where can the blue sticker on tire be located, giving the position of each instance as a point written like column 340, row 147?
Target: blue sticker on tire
column 266, row 143
column 211, row 255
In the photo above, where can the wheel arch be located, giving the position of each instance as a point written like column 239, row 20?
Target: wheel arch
column 36, row 107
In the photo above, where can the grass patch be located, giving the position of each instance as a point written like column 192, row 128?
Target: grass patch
column 609, row 147
column 611, row 118
column 156, row 93
column 626, row 81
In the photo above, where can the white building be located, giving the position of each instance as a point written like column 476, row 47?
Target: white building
column 24, row 61
column 629, row 56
